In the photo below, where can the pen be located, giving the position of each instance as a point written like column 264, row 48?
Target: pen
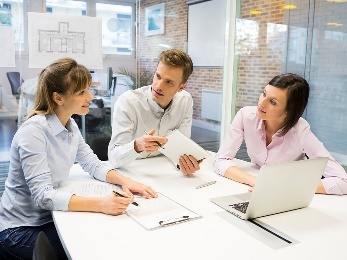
column 116, row 193
column 155, row 141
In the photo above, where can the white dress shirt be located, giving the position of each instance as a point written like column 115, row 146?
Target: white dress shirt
column 135, row 112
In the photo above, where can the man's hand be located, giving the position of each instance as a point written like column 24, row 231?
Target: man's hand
column 188, row 164
column 148, row 143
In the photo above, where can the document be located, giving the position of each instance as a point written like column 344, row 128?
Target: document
column 178, row 144
column 159, row 212
column 94, row 189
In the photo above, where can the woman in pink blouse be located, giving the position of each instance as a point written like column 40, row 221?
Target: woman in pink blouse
column 274, row 132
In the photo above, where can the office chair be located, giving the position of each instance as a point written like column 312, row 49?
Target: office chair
column 100, row 147
column 15, row 81
column 43, row 249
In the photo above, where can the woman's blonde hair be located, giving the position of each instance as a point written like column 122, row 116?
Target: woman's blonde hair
column 64, row 76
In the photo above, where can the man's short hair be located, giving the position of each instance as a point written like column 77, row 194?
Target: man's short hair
column 178, row 59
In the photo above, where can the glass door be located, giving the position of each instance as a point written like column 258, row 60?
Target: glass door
column 327, row 75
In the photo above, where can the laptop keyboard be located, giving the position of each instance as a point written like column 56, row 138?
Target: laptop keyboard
column 240, row 206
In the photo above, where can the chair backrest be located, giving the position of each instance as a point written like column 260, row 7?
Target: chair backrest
column 43, row 249
column 100, row 147
column 15, row 81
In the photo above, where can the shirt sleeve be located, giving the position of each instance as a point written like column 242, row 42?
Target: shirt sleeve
column 225, row 157
column 32, row 149
column 90, row 162
column 121, row 149
column 335, row 176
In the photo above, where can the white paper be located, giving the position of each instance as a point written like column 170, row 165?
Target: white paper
column 94, row 189
column 7, row 50
column 56, row 36
column 158, row 212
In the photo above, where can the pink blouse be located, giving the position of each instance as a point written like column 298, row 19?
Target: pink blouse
column 298, row 141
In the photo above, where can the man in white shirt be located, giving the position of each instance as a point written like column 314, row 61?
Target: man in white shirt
column 156, row 109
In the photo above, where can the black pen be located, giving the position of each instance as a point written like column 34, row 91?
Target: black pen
column 155, row 141
column 116, row 193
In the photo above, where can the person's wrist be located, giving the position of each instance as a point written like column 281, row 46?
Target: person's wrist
column 251, row 180
column 122, row 180
column 137, row 147
column 114, row 177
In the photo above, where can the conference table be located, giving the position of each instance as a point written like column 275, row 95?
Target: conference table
column 315, row 232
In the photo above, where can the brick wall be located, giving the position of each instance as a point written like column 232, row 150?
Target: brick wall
column 260, row 56
column 176, row 36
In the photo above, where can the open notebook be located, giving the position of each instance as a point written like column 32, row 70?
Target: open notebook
column 178, row 144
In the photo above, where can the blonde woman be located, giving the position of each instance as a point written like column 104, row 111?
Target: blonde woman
column 42, row 152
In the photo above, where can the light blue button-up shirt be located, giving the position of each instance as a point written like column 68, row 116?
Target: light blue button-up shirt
column 42, row 153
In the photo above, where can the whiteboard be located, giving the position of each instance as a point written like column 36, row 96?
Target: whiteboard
column 206, row 33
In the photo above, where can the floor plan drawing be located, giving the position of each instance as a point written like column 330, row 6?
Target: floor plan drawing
column 62, row 40
column 54, row 36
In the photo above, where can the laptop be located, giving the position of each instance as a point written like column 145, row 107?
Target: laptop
column 279, row 188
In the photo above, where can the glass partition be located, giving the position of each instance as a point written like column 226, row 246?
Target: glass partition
column 327, row 75
column 303, row 37
column 175, row 31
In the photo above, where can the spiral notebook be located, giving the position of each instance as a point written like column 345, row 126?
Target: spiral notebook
column 178, row 144
column 159, row 212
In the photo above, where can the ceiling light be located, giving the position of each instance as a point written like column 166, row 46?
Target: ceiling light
column 288, row 6
column 255, row 11
column 337, row 1
column 334, row 24
column 164, row 45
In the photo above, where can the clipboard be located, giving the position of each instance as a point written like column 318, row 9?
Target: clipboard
column 160, row 212
column 178, row 144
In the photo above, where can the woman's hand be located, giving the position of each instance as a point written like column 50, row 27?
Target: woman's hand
column 129, row 186
column 238, row 175
column 113, row 205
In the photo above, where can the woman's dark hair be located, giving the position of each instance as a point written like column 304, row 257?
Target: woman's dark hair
column 298, row 91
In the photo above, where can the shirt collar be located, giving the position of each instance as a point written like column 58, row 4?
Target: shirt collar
column 154, row 105
column 56, row 126
column 261, row 129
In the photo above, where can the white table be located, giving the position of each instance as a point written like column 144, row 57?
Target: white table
column 321, row 228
